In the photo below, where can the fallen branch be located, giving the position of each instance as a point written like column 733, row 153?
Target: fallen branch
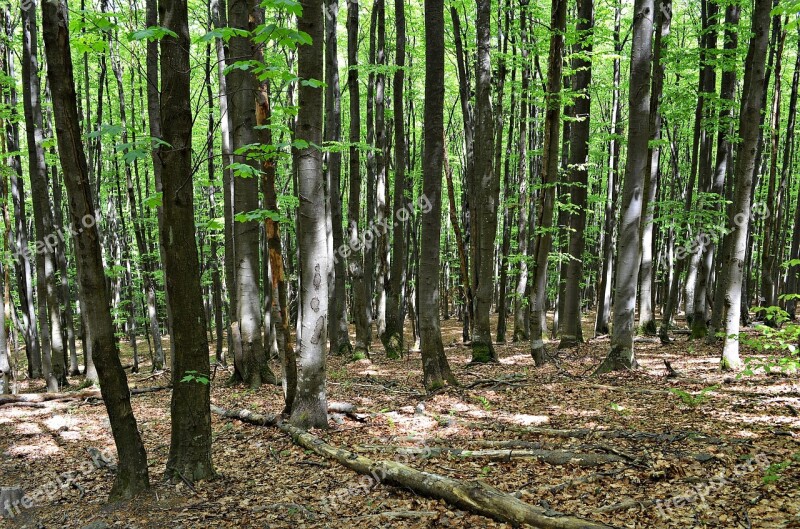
column 551, row 457
column 473, row 496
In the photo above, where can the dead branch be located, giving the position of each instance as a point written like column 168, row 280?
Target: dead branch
column 472, row 496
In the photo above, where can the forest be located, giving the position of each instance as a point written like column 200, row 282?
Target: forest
column 490, row 263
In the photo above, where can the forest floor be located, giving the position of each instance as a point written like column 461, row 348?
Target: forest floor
column 726, row 457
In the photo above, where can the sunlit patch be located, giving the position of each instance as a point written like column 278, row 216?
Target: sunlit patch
column 34, row 451
column 28, row 428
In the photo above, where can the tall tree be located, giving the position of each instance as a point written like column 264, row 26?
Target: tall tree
column 132, row 475
column 489, row 182
column 739, row 215
column 570, row 326
column 435, row 369
column 46, row 287
column 310, row 403
column 190, row 440
column 621, row 355
column 550, row 164
column 612, row 187
column 393, row 337
column 339, row 336
column 249, row 358
column 356, row 260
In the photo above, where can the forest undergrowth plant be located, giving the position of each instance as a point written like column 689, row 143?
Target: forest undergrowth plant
column 777, row 343
column 690, row 400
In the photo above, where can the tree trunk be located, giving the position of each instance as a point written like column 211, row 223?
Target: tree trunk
column 612, row 190
column 739, row 219
column 47, row 289
column 356, row 260
column 339, row 336
column 132, row 476
column 489, row 184
column 621, row 355
column 190, row 441
column 724, row 166
column 250, row 359
column 435, row 369
column 571, row 331
column 550, row 162
column 705, row 174
column 310, row 404
column 393, row 341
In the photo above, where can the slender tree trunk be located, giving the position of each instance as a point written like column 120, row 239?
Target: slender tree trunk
column 769, row 252
column 739, row 220
column 24, row 270
column 339, row 336
column 724, row 166
column 550, row 161
column 190, row 441
column 621, row 355
column 571, row 331
column 393, row 337
column 310, row 404
column 521, row 305
column 663, row 22
column 47, row 289
column 435, row 369
column 356, row 260
column 487, row 178
column 249, row 359
column 604, row 289
column 132, row 475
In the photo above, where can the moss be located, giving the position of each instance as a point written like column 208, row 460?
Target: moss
column 482, row 353
column 435, row 385
column 394, row 347
column 359, row 355
column 649, row 328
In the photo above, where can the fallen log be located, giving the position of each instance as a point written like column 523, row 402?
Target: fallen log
column 472, row 496
column 551, row 457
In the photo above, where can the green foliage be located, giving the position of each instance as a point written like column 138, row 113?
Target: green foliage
column 194, row 376
column 690, row 400
column 152, row 33
column 773, row 472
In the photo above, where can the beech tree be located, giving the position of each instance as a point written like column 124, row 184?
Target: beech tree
column 310, row 404
column 132, row 474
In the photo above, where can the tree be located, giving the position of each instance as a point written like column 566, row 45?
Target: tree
column 571, row 332
column 46, row 288
column 621, row 355
column 489, row 183
column 550, row 161
column 339, row 336
column 355, row 250
column 310, row 404
column 249, row 359
column 739, row 216
column 393, row 337
column 435, row 369
column 132, row 476
column 190, row 441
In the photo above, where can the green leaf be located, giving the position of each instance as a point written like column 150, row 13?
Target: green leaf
column 150, row 34
column 153, row 201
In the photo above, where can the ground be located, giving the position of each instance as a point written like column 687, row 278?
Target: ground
column 719, row 458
